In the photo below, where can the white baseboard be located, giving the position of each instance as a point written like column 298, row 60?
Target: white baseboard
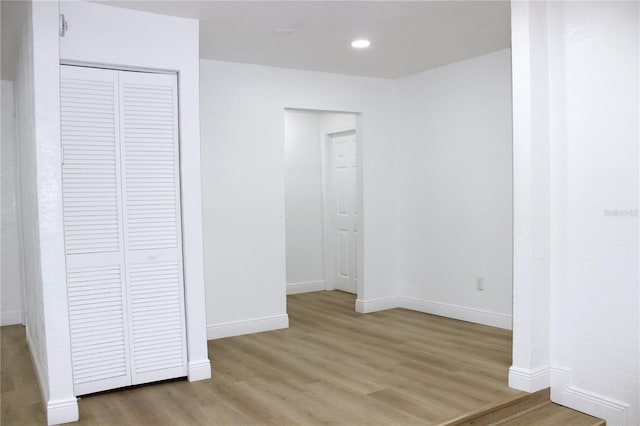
column 62, row 411
column 238, row 328
column 305, row 287
column 477, row 316
column 615, row 412
column 529, row 380
column 10, row 318
column 58, row 411
column 199, row 370
column 373, row 305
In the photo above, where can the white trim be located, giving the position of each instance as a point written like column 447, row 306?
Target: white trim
column 360, row 203
column 529, row 380
column 99, row 65
column 238, row 328
column 199, row 370
column 62, row 411
column 564, row 393
column 327, row 240
column 305, row 287
column 11, row 318
column 379, row 304
column 477, row 316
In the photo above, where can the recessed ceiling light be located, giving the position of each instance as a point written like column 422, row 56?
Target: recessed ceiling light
column 282, row 32
column 360, row 43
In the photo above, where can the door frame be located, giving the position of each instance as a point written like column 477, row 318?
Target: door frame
column 327, row 218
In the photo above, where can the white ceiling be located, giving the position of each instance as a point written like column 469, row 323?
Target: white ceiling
column 406, row 36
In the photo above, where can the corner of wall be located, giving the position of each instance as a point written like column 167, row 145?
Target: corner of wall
column 529, row 380
column 61, row 403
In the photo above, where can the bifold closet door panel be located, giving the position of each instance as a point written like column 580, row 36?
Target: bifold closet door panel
column 152, row 225
column 94, row 242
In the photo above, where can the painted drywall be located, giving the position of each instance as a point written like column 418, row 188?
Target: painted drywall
column 454, row 190
column 11, row 282
column 303, row 201
column 331, row 121
column 531, row 203
column 595, row 123
column 243, row 159
column 577, row 152
column 61, row 404
column 303, row 196
column 124, row 38
column 38, row 121
column 28, row 197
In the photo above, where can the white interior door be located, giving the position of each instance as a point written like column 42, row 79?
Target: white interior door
column 153, row 243
column 121, row 192
column 344, row 211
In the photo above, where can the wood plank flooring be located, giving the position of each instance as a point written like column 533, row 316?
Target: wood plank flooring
column 332, row 366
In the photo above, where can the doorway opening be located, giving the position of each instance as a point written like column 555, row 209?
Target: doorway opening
column 323, row 201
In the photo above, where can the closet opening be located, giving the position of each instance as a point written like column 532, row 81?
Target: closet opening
column 122, row 227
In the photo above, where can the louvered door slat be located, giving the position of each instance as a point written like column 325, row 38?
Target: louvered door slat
column 151, row 199
column 98, row 318
column 85, row 96
column 99, row 347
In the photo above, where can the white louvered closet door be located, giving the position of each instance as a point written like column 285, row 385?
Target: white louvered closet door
column 93, row 229
column 122, row 227
column 151, row 188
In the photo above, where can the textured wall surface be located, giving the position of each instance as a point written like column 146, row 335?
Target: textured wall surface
column 11, row 281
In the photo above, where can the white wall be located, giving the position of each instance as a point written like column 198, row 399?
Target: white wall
column 11, row 281
column 303, row 196
column 330, row 121
column 25, row 126
column 120, row 37
column 242, row 109
column 38, row 128
column 581, row 140
column 454, row 190
column 303, row 202
column 595, row 119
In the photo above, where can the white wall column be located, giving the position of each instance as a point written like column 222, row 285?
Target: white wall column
column 61, row 404
column 531, row 199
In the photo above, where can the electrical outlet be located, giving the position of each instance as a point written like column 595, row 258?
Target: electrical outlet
column 480, row 283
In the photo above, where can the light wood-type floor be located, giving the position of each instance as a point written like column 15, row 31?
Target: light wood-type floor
column 332, row 365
